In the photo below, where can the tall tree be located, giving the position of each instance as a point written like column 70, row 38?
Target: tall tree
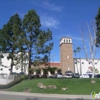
column 89, row 44
column 11, row 35
column 98, row 28
column 76, row 51
column 37, row 44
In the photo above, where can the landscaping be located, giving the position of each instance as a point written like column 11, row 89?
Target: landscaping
column 58, row 86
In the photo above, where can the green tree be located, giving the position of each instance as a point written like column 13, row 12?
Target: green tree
column 10, row 38
column 98, row 28
column 38, row 46
column 75, row 51
column 78, row 49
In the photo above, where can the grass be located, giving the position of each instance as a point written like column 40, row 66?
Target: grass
column 75, row 86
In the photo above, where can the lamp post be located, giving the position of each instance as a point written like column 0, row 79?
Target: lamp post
column 52, row 56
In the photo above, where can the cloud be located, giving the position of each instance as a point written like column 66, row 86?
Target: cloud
column 47, row 5
column 52, row 7
column 49, row 22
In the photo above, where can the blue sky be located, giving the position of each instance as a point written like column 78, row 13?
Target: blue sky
column 62, row 17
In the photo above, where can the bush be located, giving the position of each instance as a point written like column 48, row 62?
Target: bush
column 24, row 77
column 11, row 84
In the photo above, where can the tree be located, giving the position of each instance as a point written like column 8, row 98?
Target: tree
column 11, row 39
column 89, row 44
column 75, row 51
column 98, row 28
column 37, row 39
column 78, row 49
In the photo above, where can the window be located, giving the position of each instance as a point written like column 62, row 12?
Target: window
column 95, row 63
column 82, row 62
column 69, row 41
column 1, row 69
column 89, row 62
column 66, row 41
column 75, row 62
column 78, row 62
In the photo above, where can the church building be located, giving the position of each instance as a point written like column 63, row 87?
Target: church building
column 67, row 61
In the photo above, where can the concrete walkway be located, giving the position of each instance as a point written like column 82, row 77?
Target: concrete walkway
column 63, row 96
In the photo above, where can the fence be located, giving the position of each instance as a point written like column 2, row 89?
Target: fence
column 5, row 79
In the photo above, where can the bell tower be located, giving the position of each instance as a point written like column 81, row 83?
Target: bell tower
column 66, row 55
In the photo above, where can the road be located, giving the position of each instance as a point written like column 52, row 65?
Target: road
column 4, row 95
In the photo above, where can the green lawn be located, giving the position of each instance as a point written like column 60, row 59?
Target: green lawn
column 75, row 86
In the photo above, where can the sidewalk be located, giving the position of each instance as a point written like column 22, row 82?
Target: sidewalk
column 83, row 97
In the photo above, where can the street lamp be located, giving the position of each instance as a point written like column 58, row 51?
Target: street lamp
column 52, row 56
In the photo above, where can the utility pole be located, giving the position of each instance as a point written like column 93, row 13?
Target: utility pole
column 52, row 56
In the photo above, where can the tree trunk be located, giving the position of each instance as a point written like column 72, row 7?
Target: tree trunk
column 11, row 66
column 93, row 68
column 29, row 72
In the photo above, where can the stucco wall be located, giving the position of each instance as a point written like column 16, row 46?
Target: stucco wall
column 5, row 66
column 83, row 65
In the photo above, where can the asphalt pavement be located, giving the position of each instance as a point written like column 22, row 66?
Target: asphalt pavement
column 40, row 95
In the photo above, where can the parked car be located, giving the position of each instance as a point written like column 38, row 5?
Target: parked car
column 76, row 75
column 69, row 72
column 84, row 76
column 21, row 73
column 54, row 76
column 67, row 76
column 97, row 76
column 59, row 75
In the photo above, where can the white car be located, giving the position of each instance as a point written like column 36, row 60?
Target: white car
column 67, row 76
column 84, row 76
column 59, row 75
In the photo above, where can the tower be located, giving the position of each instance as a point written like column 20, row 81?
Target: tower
column 66, row 55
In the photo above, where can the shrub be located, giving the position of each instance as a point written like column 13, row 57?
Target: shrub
column 24, row 77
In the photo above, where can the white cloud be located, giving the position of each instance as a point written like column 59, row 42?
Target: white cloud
column 47, row 5
column 49, row 22
column 52, row 7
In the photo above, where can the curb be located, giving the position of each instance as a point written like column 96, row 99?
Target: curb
column 69, row 97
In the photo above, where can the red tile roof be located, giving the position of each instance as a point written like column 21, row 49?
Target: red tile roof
column 54, row 64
